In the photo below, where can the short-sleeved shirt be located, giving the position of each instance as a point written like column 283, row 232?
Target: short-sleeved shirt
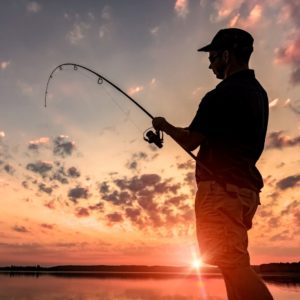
column 233, row 117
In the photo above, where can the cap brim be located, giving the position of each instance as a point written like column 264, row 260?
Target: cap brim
column 206, row 48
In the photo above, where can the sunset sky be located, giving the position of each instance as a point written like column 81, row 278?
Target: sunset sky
column 78, row 184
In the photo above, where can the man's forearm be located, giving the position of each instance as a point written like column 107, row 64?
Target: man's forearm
column 188, row 140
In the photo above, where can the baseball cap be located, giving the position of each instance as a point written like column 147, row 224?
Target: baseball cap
column 230, row 38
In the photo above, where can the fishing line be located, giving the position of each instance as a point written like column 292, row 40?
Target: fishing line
column 127, row 113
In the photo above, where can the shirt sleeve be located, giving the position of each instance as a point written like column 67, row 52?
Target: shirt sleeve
column 201, row 121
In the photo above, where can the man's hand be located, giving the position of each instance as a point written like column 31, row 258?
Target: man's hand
column 188, row 140
column 160, row 123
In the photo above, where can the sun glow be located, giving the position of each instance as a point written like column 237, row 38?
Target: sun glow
column 196, row 263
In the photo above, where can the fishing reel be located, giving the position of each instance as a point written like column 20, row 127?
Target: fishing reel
column 154, row 137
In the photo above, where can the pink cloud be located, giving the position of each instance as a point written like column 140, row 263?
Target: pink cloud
column 253, row 18
column 2, row 135
column 225, row 8
column 181, row 8
column 4, row 65
column 290, row 53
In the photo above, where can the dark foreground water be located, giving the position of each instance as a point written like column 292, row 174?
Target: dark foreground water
column 48, row 287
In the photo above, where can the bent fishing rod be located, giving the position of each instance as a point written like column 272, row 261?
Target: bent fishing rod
column 149, row 136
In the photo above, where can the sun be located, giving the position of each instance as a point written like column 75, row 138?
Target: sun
column 196, row 263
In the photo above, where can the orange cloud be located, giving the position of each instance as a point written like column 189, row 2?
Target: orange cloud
column 274, row 103
column 278, row 140
column 135, row 90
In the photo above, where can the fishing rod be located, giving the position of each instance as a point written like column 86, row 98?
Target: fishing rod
column 149, row 135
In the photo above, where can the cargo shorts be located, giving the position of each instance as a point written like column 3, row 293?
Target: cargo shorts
column 223, row 217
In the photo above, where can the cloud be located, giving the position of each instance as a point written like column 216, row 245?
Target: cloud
column 282, row 236
column 82, row 212
column 181, row 8
column 150, row 203
column 4, row 65
column 154, row 31
column 291, row 208
column 136, row 183
column 153, row 83
column 41, row 142
column 134, row 215
column 278, row 140
column 78, row 193
column 45, row 189
column 97, row 207
column 133, row 162
column 103, row 187
column 106, row 26
column 297, row 218
column 62, row 146
column 288, row 182
column 103, row 30
column 21, row 229
column 73, row 172
column 50, row 204
column 188, row 165
column 33, row 7
column 114, row 218
column 274, row 103
column 118, row 198
column 106, row 13
column 290, row 52
column 9, row 169
column 77, row 32
column 252, row 19
column 135, row 90
column 226, row 7
column 40, row 167
column 47, row 226
column 59, row 175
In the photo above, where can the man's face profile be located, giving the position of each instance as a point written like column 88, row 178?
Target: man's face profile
column 217, row 63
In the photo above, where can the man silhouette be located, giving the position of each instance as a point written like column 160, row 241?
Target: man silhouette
column 230, row 128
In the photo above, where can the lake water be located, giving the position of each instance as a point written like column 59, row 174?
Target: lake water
column 48, row 287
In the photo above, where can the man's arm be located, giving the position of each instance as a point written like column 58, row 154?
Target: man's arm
column 189, row 140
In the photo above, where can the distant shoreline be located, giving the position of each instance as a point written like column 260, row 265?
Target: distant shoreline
column 278, row 272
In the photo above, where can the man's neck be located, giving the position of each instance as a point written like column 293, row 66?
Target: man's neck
column 235, row 69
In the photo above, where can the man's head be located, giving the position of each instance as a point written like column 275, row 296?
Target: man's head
column 229, row 51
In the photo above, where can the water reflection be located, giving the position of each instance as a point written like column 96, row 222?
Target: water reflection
column 73, row 288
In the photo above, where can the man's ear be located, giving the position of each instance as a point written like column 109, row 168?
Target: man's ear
column 225, row 56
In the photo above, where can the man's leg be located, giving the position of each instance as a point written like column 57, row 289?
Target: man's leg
column 231, row 294
column 244, row 284
column 222, row 221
